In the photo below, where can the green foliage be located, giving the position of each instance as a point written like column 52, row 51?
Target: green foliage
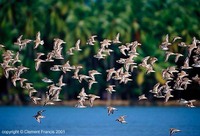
column 146, row 21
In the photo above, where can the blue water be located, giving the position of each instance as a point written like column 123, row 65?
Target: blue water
column 69, row 121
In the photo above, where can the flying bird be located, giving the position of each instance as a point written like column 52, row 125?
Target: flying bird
column 92, row 97
column 121, row 119
column 167, row 54
column 38, row 63
column 142, row 97
column 110, row 89
column 39, row 116
column 173, row 130
column 111, row 110
column 176, row 38
column 38, row 41
column 116, row 40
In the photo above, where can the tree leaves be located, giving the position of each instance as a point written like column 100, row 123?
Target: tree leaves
column 144, row 20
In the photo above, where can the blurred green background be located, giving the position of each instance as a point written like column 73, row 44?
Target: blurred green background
column 147, row 21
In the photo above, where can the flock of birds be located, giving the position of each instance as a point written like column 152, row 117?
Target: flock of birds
column 176, row 78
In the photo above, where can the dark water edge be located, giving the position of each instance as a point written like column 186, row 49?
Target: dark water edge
column 71, row 103
column 70, row 121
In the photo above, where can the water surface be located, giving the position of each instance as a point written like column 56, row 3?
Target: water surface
column 70, row 121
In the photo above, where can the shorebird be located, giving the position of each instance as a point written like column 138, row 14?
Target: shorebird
column 99, row 55
column 25, row 41
column 186, row 64
column 105, row 43
column 149, row 69
column 176, row 38
column 60, row 82
column 39, row 116
column 173, row 130
column 22, row 80
column 92, row 73
column 39, row 54
column 182, row 101
column 76, row 72
column 91, row 40
column 37, row 63
column 126, row 80
column 168, row 95
column 66, row 67
column 52, row 88
column 77, row 45
column 145, row 62
column 196, row 61
column 129, row 64
column 57, row 53
column 82, row 94
column 16, row 59
column 91, row 82
column 47, row 80
column 28, row 86
column 111, row 110
column 116, row 40
column 70, row 51
column 20, row 69
column 164, row 45
column 121, row 61
column 192, row 46
column 155, row 88
column 7, row 70
column 121, row 119
column 185, row 82
column 48, row 100
column 31, row 91
column 133, row 47
column 196, row 79
column 34, row 99
column 80, row 103
column 55, row 68
column 190, row 103
column 50, row 57
column 182, row 74
column 124, row 77
column 22, row 43
column 110, row 73
column 172, row 69
column 15, row 78
column 92, row 97
column 57, row 43
column 183, row 44
column 8, row 54
column 152, row 60
column 55, row 95
column 165, row 87
column 177, row 84
column 38, row 41
column 178, row 55
column 110, row 89
column 167, row 54
column 142, row 97
column 19, row 42
column 2, row 46
column 159, row 94
column 197, row 51
column 118, row 73
column 123, row 48
column 85, row 77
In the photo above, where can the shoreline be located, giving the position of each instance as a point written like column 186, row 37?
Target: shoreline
column 72, row 103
